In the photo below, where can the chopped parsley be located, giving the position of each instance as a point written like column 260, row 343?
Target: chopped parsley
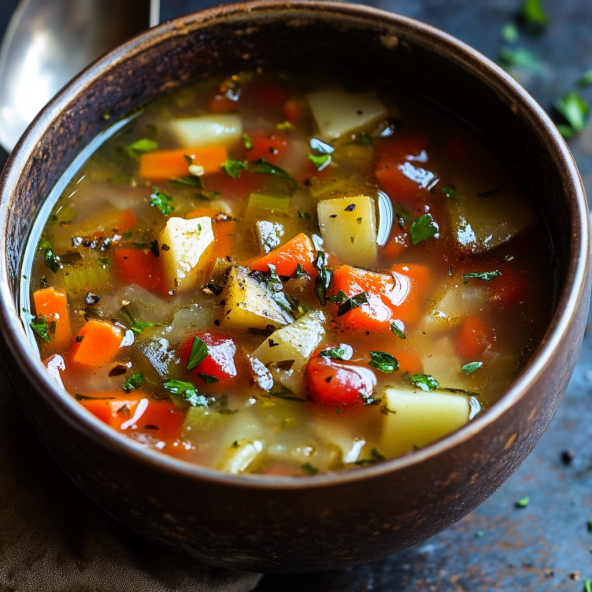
column 247, row 142
column 449, row 191
column 208, row 378
column 483, row 275
column 270, row 169
column 52, row 260
column 199, row 352
column 383, row 361
column 189, row 181
column 471, row 367
column 161, row 201
column 575, row 111
column 534, row 13
column 133, row 382
column 336, row 353
column 323, row 279
column 422, row 228
column 138, row 326
column 309, row 469
column 304, row 215
column 143, row 145
column 104, row 261
column 588, row 583
column 299, row 272
column 188, row 390
column 398, row 328
column 523, row 502
column 375, row 457
column 425, row 382
column 321, row 161
column 351, row 303
column 402, row 214
column 589, row 525
column 233, row 167
column 38, row 324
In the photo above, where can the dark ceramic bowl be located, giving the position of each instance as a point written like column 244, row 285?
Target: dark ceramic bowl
column 328, row 521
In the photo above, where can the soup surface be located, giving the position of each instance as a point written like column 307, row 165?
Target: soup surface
column 285, row 274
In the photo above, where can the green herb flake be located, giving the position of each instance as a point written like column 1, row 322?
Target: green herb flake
column 189, row 181
column 483, row 275
column 38, row 324
column 479, row 534
column 449, row 191
column 335, row 353
column 52, row 260
column 138, row 326
column 188, row 159
column 351, row 303
column 425, row 382
column 383, row 361
column 270, row 169
column 523, row 502
column 44, row 245
column 509, row 33
column 471, row 367
column 402, row 214
column 143, row 145
column 586, row 78
column 104, row 261
column 304, row 215
column 309, row 469
column 133, row 382
column 199, row 352
column 188, row 390
column 375, row 457
column 208, row 378
column 161, row 201
column 534, row 13
column 575, row 110
column 365, row 139
column 247, row 142
column 422, row 228
column 589, row 525
column 233, row 167
column 588, row 583
column 321, row 161
column 398, row 328
column 323, row 279
column 519, row 58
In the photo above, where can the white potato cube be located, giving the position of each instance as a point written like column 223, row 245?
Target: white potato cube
column 269, row 234
column 417, row 418
column 189, row 254
column 248, row 304
column 339, row 112
column 348, row 227
column 206, row 130
column 446, row 367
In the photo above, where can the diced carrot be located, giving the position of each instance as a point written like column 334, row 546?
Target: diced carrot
column 287, row 257
column 224, row 232
column 292, row 111
column 96, row 343
column 473, row 338
column 136, row 412
column 393, row 249
column 408, row 361
column 111, row 221
column 271, row 147
column 53, row 304
column 140, row 267
column 123, row 221
column 220, row 103
column 420, row 275
column 169, row 164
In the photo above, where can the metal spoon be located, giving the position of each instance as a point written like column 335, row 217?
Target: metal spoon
column 48, row 43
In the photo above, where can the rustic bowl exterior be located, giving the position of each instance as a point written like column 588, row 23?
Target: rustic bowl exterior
column 330, row 521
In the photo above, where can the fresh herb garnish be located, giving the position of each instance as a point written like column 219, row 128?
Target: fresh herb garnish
column 519, row 58
column 304, row 215
column 471, row 367
column 449, row 191
column 133, row 382
column 422, row 228
column 208, row 378
column 44, row 245
column 270, row 169
column 309, row 469
column 161, row 201
column 38, row 324
column 575, row 110
column 233, row 167
column 586, row 78
column 398, row 328
column 138, row 326
column 52, row 260
column 534, row 13
column 247, row 142
column 188, row 390
column 199, row 352
column 321, row 147
column 351, row 303
column 510, row 33
column 588, row 583
column 144, row 145
column 339, row 298
column 189, row 181
column 402, row 214
column 383, row 361
column 523, row 502
column 365, row 139
column 335, row 353
column 104, row 261
column 489, row 193
column 323, row 279
column 375, row 457
column 483, row 275
column 425, row 382
column 299, row 272
column 321, row 161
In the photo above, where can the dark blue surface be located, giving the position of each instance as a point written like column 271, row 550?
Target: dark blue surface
column 499, row 547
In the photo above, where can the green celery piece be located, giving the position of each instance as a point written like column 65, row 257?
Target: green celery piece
column 269, row 203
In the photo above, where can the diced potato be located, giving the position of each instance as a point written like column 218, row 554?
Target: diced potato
column 295, row 342
column 446, row 367
column 339, row 112
column 269, row 234
column 190, row 252
column 348, row 227
column 480, row 224
column 206, row 130
column 417, row 418
column 248, row 304
column 240, row 455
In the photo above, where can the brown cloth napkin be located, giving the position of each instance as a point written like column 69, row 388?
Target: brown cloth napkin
column 53, row 539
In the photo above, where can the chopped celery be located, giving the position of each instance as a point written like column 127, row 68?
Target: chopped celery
column 201, row 419
column 91, row 278
column 269, row 202
column 269, row 235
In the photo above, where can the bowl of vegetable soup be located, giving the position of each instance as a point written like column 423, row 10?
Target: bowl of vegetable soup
column 292, row 286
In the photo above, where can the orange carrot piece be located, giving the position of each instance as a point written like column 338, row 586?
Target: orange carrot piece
column 140, row 267
column 420, row 275
column 202, row 211
column 169, row 164
column 53, row 304
column 224, row 233
column 408, row 361
column 473, row 338
column 287, row 257
column 393, row 249
column 96, row 343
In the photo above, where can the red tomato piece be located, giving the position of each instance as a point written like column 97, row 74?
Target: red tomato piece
column 337, row 384
column 140, row 267
column 272, row 147
column 220, row 360
column 473, row 338
column 508, row 289
column 292, row 111
column 265, row 95
column 239, row 188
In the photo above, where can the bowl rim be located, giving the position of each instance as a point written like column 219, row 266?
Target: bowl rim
column 567, row 302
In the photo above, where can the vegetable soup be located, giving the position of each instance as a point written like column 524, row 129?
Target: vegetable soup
column 287, row 274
